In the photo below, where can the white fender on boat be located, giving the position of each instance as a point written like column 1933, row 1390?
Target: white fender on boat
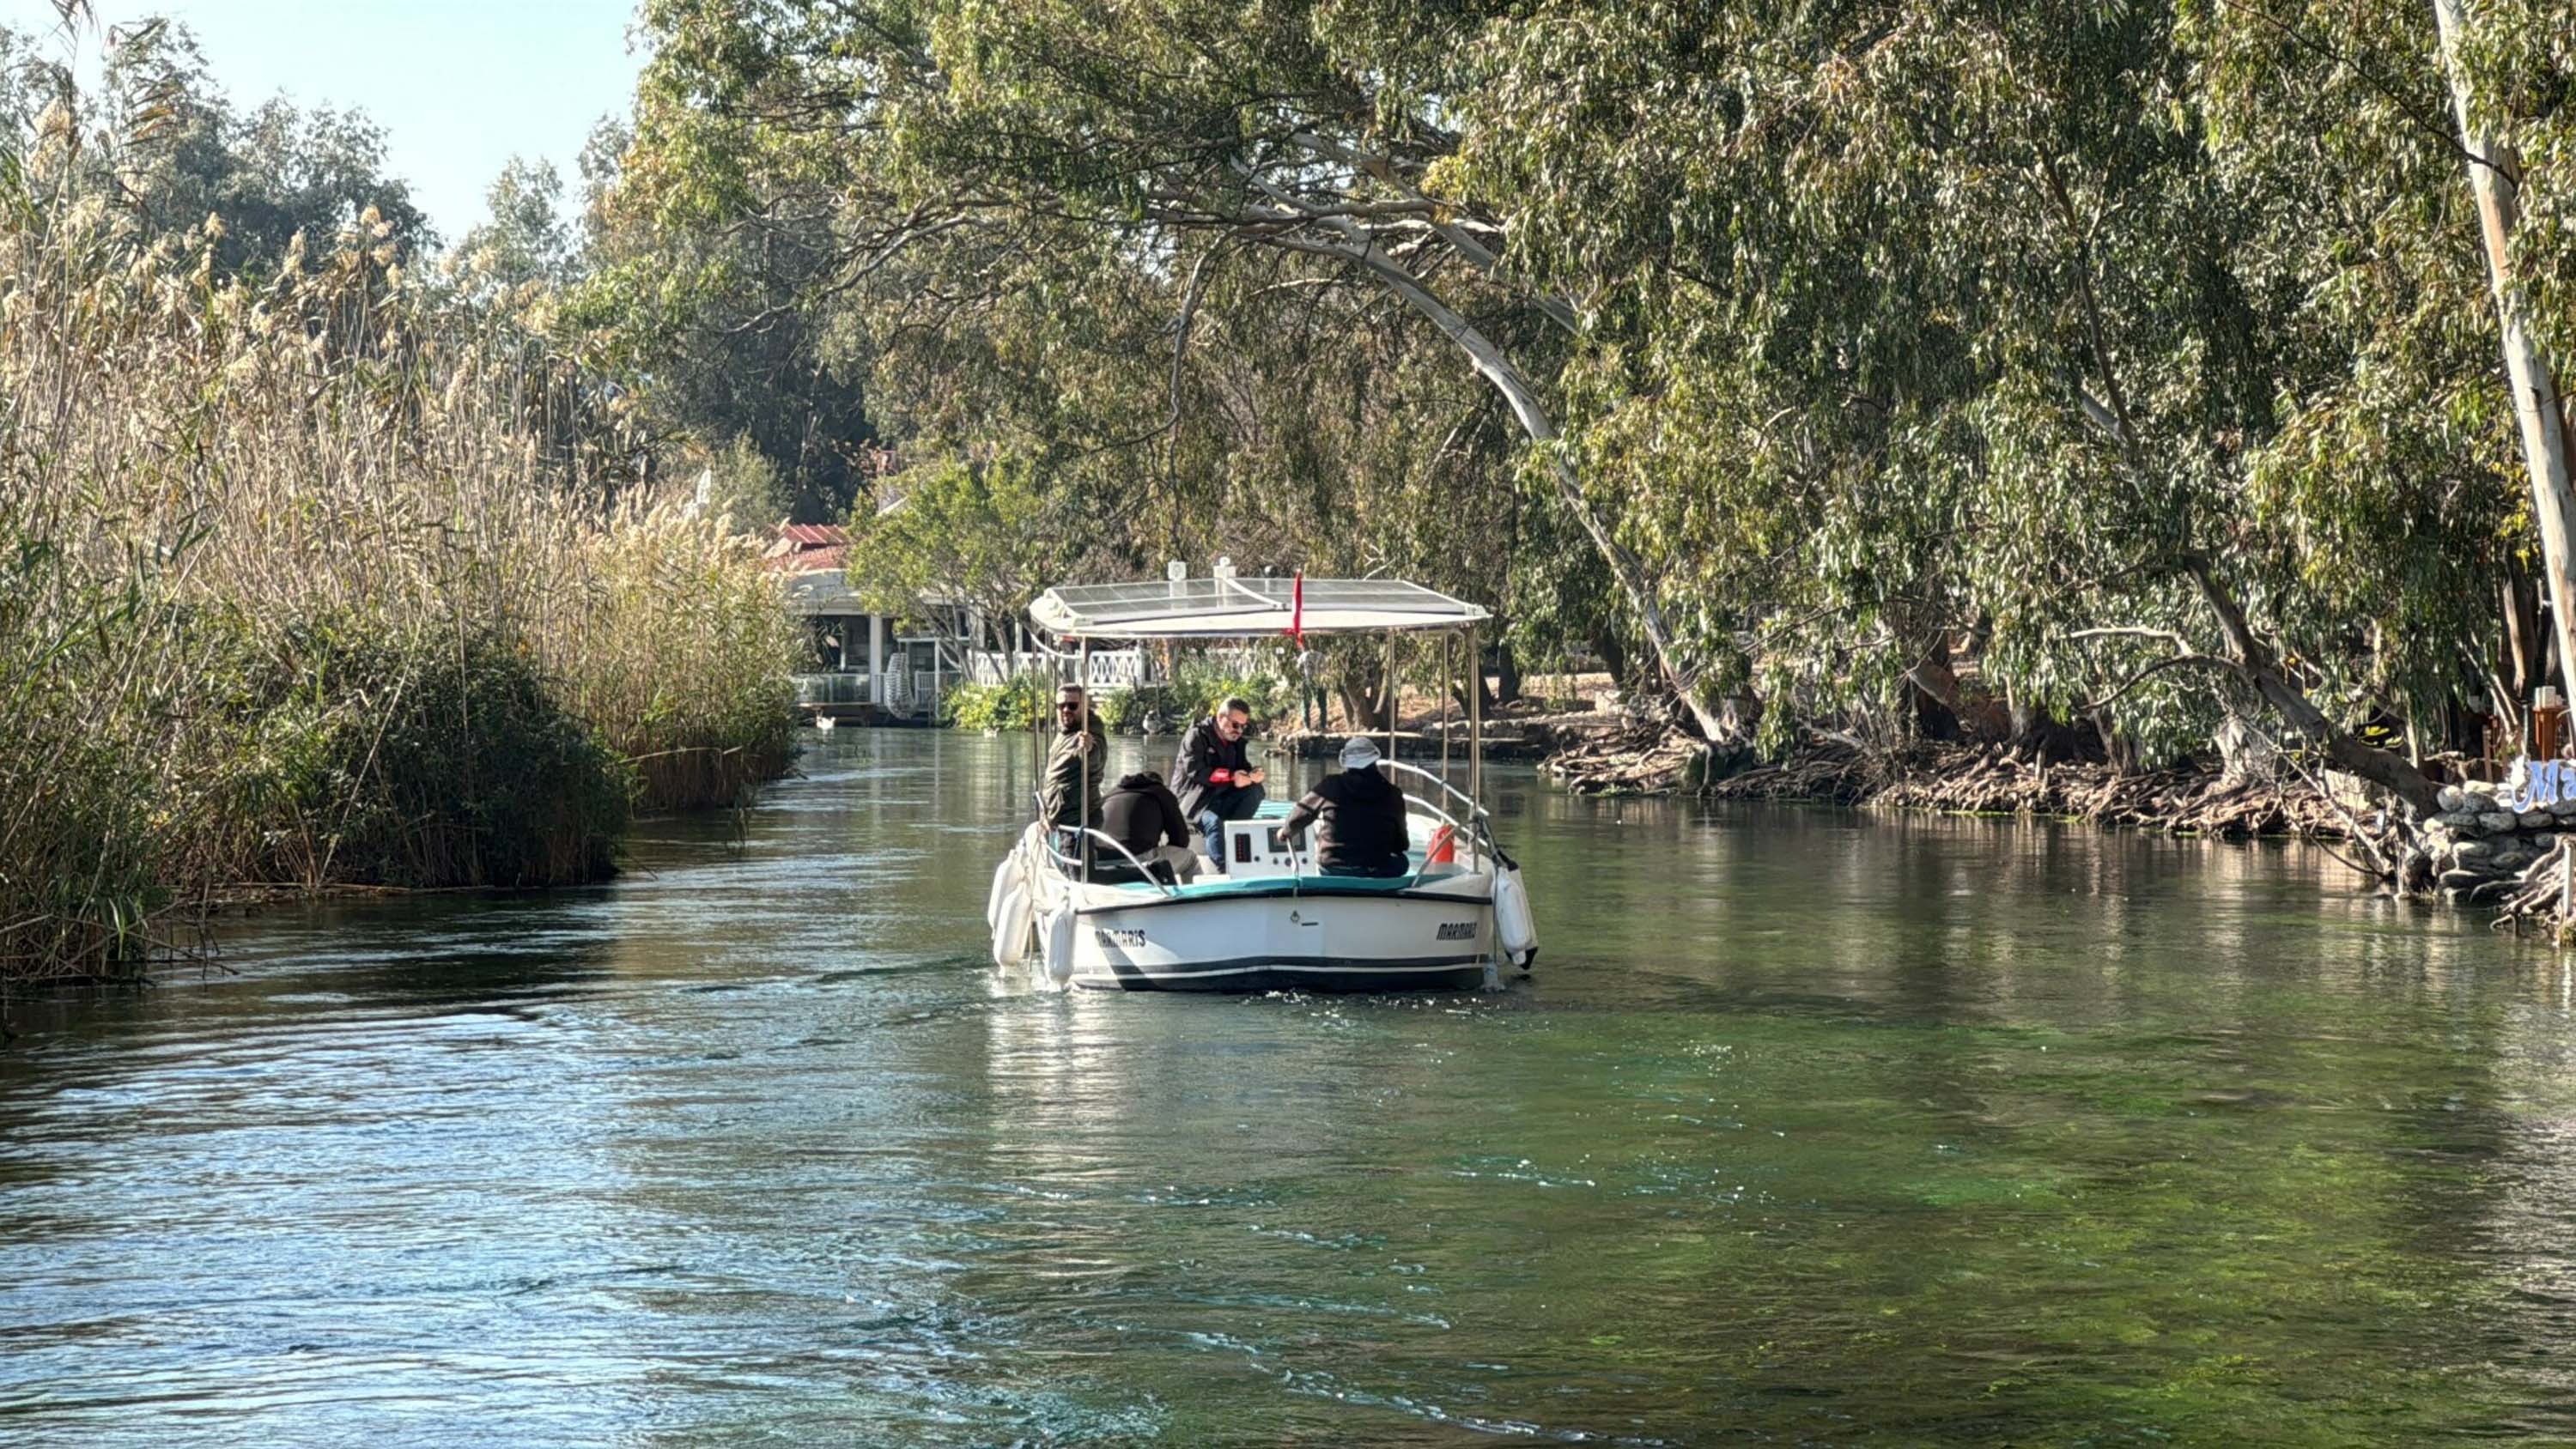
column 1056, row 932
column 1005, row 876
column 1011, row 926
column 1512, row 920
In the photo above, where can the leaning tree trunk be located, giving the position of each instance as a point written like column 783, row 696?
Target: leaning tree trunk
column 1363, row 687
column 1934, row 687
column 1614, row 656
column 1498, row 369
column 2536, row 405
column 2255, row 662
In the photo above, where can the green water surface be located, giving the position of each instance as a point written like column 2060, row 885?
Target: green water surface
column 1813, row 1128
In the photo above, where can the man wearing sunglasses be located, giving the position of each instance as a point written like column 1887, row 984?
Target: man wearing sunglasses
column 1214, row 776
column 1071, row 793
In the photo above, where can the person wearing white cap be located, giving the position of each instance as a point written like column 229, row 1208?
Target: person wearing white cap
column 1358, row 817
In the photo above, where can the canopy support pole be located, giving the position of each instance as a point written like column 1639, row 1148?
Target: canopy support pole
column 1394, row 695
column 1039, row 696
column 1082, row 721
column 1448, row 681
column 1475, row 720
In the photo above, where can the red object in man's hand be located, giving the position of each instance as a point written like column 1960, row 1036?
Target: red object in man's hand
column 1220, row 777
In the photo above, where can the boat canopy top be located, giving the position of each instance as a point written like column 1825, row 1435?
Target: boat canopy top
column 1233, row 607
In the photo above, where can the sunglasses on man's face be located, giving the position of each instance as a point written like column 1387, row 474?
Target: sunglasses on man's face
column 1068, row 704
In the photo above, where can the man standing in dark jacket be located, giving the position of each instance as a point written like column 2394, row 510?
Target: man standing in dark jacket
column 1358, row 817
column 1215, row 779
column 1071, row 792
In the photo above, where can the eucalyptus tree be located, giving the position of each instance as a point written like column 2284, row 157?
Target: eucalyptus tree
column 716, row 306
column 2512, row 79
column 266, row 174
column 2358, row 141
column 1927, row 319
column 2138, row 348
column 1249, row 409
column 1197, row 127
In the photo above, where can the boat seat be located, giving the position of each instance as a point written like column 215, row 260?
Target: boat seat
column 1107, row 869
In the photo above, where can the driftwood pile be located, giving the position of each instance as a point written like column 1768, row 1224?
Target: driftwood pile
column 1632, row 761
column 1961, row 779
column 2478, row 851
column 2540, row 895
column 1995, row 781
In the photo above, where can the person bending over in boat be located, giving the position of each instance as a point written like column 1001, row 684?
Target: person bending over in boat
column 1142, row 816
column 1071, row 794
column 1358, row 817
column 1216, row 780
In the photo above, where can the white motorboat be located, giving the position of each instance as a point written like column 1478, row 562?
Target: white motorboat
column 1098, row 917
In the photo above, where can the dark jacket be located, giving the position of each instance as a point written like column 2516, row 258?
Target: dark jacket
column 1057, row 799
column 1204, row 752
column 1141, row 814
column 1359, row 824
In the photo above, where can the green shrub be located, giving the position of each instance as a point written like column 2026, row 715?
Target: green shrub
column 423, row 762
column 1005, row 706
column 1124, row 711
column 1197, row 687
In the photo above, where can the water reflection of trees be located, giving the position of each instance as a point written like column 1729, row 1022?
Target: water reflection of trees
column 2148, row 1085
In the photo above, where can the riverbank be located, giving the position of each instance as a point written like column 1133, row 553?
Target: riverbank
column 1953, row 779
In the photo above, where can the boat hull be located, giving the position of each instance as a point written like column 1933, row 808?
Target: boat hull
column 1435, row 939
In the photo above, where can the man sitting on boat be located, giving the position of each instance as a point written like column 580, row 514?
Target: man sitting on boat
column 1358, row 817
column 1142, row 815
column 1071, row 792
column 1216, row 780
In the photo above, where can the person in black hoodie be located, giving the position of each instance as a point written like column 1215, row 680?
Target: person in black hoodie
column 1141, row 815
column 1358, row 817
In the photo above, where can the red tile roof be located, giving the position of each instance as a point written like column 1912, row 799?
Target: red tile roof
column 814, row 535
column 811, row 561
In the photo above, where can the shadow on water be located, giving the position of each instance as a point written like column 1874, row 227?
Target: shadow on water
column 1814, row 1126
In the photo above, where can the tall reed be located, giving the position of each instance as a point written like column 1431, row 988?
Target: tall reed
column 319, row 579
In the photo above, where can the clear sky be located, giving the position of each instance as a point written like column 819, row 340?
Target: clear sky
column 460, row 86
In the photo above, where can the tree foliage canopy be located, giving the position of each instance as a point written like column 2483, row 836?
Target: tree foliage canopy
column 2134, row 359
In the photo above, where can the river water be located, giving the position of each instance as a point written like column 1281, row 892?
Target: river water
column 1813, row 1127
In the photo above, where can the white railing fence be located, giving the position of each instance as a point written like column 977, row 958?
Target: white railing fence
column 1110, row 668
column 838, row 687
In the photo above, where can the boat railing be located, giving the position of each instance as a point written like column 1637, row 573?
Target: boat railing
column 1453, row 792
column 1073, row 867
column 1479, row 840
